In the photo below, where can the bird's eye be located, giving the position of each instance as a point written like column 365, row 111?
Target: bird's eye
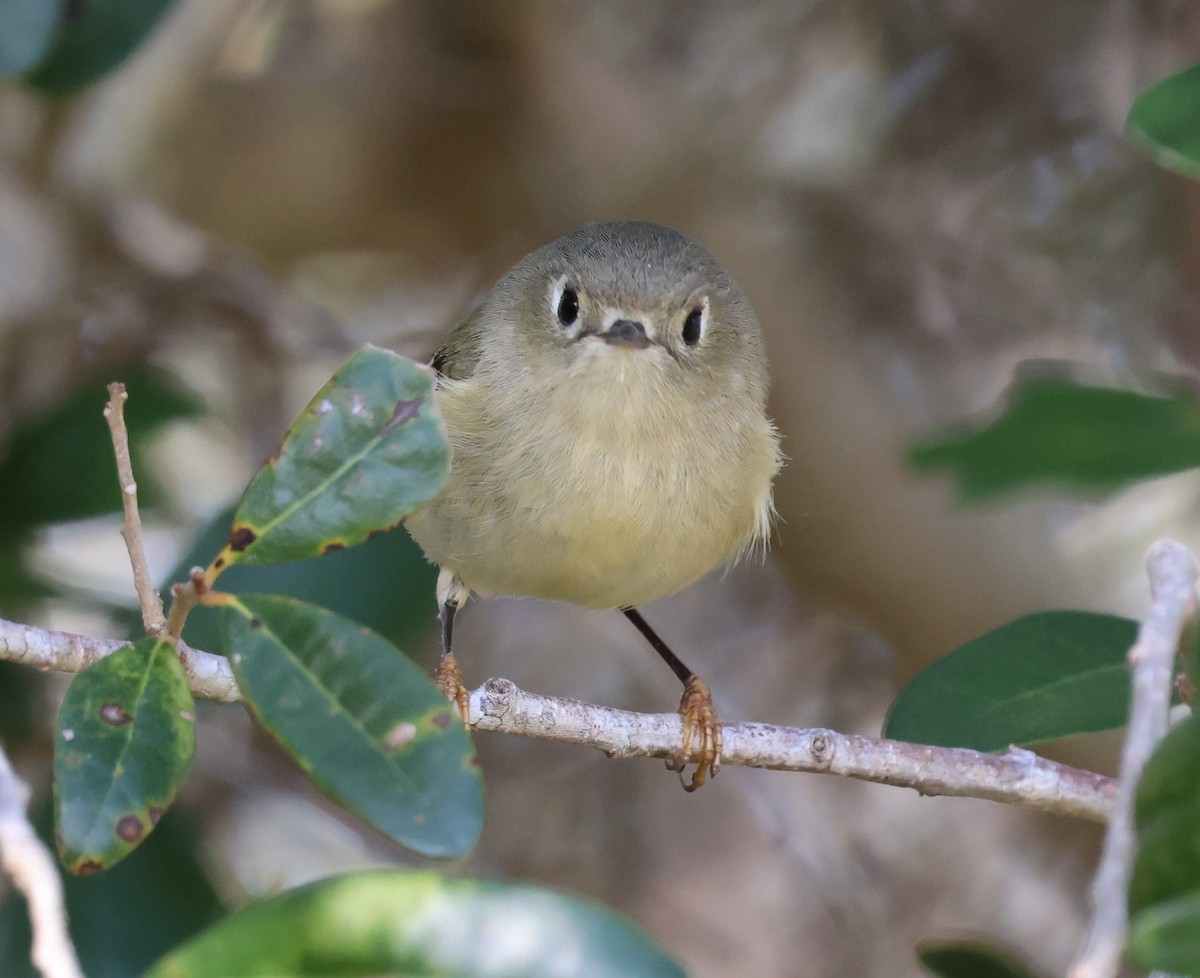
column 568, row 306
column 693, row 327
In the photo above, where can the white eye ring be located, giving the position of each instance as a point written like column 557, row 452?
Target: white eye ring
column 695, row 323
column 564, row 302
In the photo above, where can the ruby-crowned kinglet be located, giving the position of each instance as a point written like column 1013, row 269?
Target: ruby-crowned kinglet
column 609, row 443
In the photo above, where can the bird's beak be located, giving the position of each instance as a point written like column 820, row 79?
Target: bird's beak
column 626, row 332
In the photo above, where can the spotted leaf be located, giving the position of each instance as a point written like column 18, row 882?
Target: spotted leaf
column 368, row 450
column 367, row 724
column 123, row 747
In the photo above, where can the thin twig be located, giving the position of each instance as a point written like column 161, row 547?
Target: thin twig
column 1173, row 577
column 153, row 618
column 1018, row 777
column 185, row 598
column 27, row 861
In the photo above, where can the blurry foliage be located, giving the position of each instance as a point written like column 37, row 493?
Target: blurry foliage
column 57, row 466
column 62, row 46
column 420, row 925
column 1042, row 677
column 1166, row 120
column 1060, row 433
column 26, row 30
column 124, row 919
column 966, row 959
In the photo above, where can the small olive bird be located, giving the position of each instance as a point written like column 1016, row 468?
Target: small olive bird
column 606, row 410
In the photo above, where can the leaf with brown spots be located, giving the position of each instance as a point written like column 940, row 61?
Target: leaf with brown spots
column 123, row 747
column 368, row 450
column 368, row 725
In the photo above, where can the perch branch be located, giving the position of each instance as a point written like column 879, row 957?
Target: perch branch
column 1173, row 576
column 1018, row 777
column 153, row 619
column 26, row 860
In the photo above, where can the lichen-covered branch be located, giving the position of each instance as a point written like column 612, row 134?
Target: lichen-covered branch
column 1018, row 777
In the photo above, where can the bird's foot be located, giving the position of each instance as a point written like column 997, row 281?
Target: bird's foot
column 701, row 734
column 449, row 679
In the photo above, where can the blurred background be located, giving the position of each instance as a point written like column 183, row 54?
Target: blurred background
column 920, row 197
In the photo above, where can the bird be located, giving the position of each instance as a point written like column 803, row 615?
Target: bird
column 606, row 410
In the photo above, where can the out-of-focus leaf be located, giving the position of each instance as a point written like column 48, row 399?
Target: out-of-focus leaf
column 1058, row 432
column 368, row 725
column 19, row 588
column 123, row 920
column 1165, row 119
column 18, row 695
column 385, row 584
column 968, row 959
column 368, row 450
column 93, row 38
column 26, row 29
column 1171, row 778
column 1166, row 937
column 1045, row 676
column 420, row 925
column 1167, row 864
column 59, row 466
column 123, row 748
column 1166, row 868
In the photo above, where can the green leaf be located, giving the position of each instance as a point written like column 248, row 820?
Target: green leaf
column 420, row 925
column 123, row 747
column 1048, row 675
column 367, row 724
column 26, row 28
column 1171, row 778
column 1167, row 863
column 94, row 37
column 1167, row 937
column 58, row 465
column 968, row 959
column 1057, row 432
column 368, row 450
column 1165, row 119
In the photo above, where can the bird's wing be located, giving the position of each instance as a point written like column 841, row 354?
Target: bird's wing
column 459, row 353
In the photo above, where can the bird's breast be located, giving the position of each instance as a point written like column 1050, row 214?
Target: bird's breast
column 605, row 494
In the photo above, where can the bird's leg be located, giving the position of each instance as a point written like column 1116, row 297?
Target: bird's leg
column 451, row 593
column 701, row 729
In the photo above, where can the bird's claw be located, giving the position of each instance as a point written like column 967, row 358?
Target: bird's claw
column 701, row 735
column 449, row 679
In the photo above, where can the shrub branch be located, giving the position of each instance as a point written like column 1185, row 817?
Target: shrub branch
column 1018, row 777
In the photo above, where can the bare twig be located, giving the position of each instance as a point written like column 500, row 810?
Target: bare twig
column 1018, row 777
column 186, row 597
column 27, row 861
column 153, row 619
column 1173, row 577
